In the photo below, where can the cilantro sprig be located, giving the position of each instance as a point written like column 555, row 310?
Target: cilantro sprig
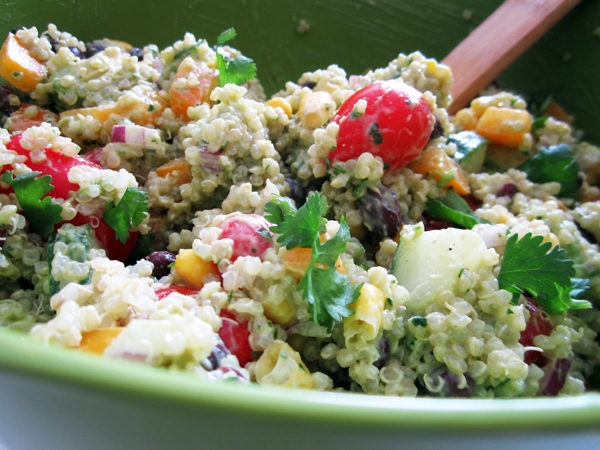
column 40, row 211
column 237, row 70
column 542, row 271
column 453, row 208
column 131, row 210
column 555, row 163
column 327, row 291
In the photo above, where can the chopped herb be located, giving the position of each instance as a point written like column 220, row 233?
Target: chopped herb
column 358, row 190
column 461, row 272
column 538, row 123
column 337, row 169
column 509, row 311
column 40, row 211
column 283, row 355
column 419, row 321
column 235, row 71
column 555, row 163
column 390, row 302
column 230, row 296
column 540, row 270
column 327, row 291
column 454, row 208
column 301, row 366
column 376, row 136
column 275, row 333
column 151, row 108
column 131, row 210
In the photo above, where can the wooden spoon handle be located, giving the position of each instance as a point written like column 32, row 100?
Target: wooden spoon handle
column 497, row 42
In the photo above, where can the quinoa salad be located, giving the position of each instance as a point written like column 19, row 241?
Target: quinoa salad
column 346, row 234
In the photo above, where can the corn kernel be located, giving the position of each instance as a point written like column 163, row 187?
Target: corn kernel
column 316, row 109
column 281, row 103
column 281, row 365
column 364, row 324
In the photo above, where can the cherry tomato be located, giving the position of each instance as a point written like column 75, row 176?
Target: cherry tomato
column 57, row 165
column 249, row 234
column 162, row 291
column 538, row 323
column 235, row 334
column 396, row 124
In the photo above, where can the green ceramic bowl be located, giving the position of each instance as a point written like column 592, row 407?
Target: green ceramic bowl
column 52, row 398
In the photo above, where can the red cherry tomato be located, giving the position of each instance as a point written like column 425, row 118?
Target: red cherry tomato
column 248, row 233
column 395, row 125
column 57, row 165
column 162, row 291
column 235, row 334
column 538, row 323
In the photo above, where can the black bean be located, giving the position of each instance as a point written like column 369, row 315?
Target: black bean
column 309, row 84
column 137, row 52
column 438, row 130
column 341, row 378
column 161, row 260
column 94, row 47
column 384, row 353
column 380, row 212
column 296, row 191
column 508, row 190
column 450, row 382
column 5, row 107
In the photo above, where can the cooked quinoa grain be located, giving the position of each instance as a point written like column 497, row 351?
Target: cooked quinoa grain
column 173, row 219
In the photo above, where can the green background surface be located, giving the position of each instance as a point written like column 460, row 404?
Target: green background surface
column 355, row 34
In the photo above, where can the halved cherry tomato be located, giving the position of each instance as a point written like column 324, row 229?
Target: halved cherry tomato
column 249, row 233
column 538, row 323
column 57, row 165
column 234, row 333
column 395, row 125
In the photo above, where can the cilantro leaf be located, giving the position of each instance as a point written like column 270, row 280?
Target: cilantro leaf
column 235, row 71
column 40, row 211
column 326, row 290
column 565, row 301
column 131, row 210
column 330, row 293
column 308, row 222
column 555, row 163
column 226, row 36
column 540, row 270
column 277, row 211
column 454, row 208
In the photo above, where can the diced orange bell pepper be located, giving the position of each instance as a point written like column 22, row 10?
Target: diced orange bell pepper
column 18, row 67
column 194, row 269
column 96, row 341
column 179, row 168
column 297, row 260
column 504, row 126
column 20, row 120
column 190, row 96
column 436, row 162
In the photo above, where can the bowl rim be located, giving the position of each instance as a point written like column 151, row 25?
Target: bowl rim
column 26, row 356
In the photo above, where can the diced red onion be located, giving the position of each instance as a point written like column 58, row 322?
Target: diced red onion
column 137, row 135
column 210, row 161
